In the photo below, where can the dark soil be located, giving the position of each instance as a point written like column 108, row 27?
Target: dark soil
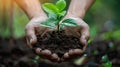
column 58, row 42
column 18, row 54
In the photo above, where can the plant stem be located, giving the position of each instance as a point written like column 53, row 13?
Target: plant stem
column 58, row 27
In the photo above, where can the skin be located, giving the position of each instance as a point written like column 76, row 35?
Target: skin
column 76, row 11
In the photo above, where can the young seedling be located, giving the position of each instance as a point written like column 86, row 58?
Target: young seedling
column 106, row 62
column 55, row 13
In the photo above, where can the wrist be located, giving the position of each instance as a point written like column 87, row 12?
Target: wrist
column 38, row 18
column 74, row 14
column 36, row 15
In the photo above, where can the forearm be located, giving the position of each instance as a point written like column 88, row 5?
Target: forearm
column 78, row 8
column 31, row 7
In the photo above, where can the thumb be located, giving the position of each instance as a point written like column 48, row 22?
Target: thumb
column 83, row 42
column 85, row 34
column 30, row 36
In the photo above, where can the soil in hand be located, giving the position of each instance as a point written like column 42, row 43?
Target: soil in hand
column 58, row 42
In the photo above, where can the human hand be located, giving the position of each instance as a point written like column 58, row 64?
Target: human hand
column 32, row 29
column 81, row 31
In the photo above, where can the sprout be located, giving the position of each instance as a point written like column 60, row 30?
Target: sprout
column 106, row 62
column 55, row 13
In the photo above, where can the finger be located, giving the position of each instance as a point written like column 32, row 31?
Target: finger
column 30, row 36
column 45, row 53
column 74, row 53
column 78, row 52
column 28, row 42
column 54, row 58
column 38, row 50
column 84, row 34
column 66, row 56
column 71, row 52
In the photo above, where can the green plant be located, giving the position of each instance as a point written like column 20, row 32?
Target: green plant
column 112, row 35
column 55, row 13
column 106, row 62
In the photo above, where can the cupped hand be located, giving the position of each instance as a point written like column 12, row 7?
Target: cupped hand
column 32, row 29
column 81, row 31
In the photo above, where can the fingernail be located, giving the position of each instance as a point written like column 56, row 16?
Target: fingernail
column 54, row 56
column 28, row 43
column 37, row 50
column 85, row 42
column 31, row 40
column 66, row 56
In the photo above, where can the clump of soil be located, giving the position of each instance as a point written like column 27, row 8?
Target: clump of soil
column 58, row 42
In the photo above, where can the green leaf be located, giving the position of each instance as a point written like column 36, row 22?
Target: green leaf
column 105, row 58
column 53, row 16
column 61, row 14
column 50, row 8
column 61, row 4
column 50, row 22
column 107, row 64
column 69, row 22
column 46, row 25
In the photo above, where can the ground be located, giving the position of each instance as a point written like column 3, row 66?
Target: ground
column 15, row 53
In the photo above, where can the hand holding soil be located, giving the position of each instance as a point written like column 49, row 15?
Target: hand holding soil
column 57, row 39
column 81, row 32
column 33, row 28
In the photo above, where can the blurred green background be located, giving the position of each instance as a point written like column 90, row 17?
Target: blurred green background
column 103, row 18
